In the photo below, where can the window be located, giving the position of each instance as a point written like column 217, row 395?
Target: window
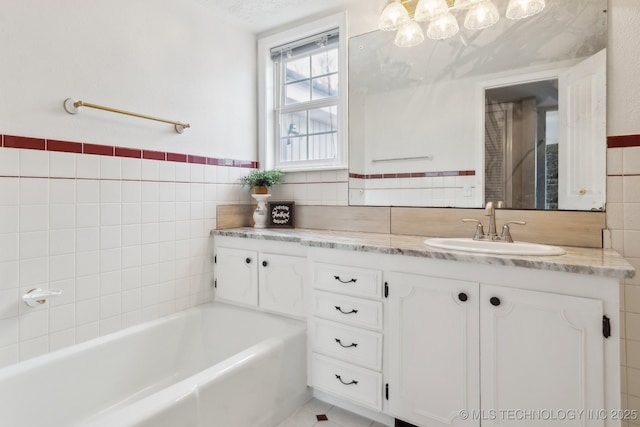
column 306, row 103
column 302, row 125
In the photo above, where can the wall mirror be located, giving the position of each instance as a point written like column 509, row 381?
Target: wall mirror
column 515, row 112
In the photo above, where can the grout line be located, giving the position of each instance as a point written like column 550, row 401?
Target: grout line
column 119, row 180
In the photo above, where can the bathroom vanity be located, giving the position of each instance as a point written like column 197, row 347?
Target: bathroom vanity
column 437, row 337
column 264, row 274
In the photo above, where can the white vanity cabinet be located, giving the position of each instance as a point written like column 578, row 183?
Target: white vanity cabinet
column 433, row 346
column 281, row 284
column 345, row 330
column 552, row 344
column 443, row 339
column 266, row 274
column 540, row 344
column 236, row 275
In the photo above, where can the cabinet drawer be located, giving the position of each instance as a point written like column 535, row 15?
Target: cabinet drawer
column 347, row 343
column 357, row 384
column 344, row 309
column 348, row 280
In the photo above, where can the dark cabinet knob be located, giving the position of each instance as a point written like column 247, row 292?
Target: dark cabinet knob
column 248, row 260
column 495, row 301
column 265, row 263
column 462, row 296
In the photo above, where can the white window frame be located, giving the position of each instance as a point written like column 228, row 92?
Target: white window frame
column 267, row 144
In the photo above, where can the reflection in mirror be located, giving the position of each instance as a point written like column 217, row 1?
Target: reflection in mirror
column 417, row 115
column 521, row 145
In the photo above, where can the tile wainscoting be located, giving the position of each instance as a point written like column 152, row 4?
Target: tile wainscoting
column 623, row 221
column 123, row 232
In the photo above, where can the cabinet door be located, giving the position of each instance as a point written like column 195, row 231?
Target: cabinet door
column 237, row 276
column 540, row 352
column 433, row 349
column 281, row 284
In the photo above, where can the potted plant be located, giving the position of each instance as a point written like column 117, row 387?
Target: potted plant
column 261, row 180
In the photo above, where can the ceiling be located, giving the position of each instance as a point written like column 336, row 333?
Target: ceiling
column 262, row 15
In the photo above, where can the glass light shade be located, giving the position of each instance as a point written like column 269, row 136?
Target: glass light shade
column 443, row 27
column 518, row 9
column 465, row 4
column 430, row 9
column 393, row 16
column 481, row 15
column 409, row 35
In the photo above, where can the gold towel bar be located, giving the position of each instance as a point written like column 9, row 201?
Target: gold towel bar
column 72, row 106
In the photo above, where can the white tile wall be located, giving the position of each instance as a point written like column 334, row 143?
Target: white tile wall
column 623, row 220
column 314, row 188
column 125, row 239
column 434, row 191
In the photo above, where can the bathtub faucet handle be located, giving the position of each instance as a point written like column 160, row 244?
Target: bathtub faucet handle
column 38, row 296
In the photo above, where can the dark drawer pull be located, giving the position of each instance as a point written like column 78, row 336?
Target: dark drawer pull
column 344, row 281
column 248, row 260
column 345, row 312
column 345, row 346
column 352, row 382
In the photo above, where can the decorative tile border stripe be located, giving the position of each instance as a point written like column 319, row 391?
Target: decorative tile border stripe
column 64, row 146
column 176, row 157
column 621, row 141
column 128, row 152
column 27, row 143
column 23, row 142
column 154, row 155
column 412, row 174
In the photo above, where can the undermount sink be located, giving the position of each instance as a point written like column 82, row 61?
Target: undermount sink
column 489, row 247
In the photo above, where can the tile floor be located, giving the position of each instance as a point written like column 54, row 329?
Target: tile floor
column 306, row 416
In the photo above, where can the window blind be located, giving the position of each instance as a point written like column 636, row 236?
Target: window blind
column 307, row 44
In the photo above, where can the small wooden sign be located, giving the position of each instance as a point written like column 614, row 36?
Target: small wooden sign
column 281, row 214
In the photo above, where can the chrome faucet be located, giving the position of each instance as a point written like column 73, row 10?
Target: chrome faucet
column 492, row 235
column 479, row 233
column 490, row 211
column 506, row 233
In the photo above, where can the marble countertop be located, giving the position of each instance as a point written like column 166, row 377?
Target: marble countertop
column 599, row 262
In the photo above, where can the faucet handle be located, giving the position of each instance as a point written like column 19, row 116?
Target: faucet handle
column 506, row 233
column 479, row 234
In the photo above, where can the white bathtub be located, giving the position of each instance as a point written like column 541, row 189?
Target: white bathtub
column 213, row 365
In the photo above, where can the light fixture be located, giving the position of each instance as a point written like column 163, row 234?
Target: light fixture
column 405, row 16
column 518, row 9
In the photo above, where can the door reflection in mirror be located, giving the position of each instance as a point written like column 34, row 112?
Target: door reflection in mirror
column 521, row 145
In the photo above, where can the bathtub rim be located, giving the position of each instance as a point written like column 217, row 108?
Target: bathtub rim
column 9, row 371
column 185, row 389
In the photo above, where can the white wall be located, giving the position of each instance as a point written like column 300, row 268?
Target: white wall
column 623, row 52
column 126, row 239
column 436, row 120
column 168, row 58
